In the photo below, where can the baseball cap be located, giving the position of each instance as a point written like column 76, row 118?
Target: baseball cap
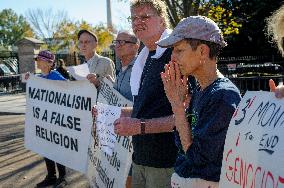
column 87, row 31
column 194, row 27
column 45, row 55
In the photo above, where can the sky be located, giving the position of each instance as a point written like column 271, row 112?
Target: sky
column 92, row 11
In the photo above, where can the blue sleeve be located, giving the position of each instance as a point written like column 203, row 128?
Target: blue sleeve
column 209, row 139
column 55, row 75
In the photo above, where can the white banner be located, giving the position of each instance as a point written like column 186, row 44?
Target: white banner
column 104, row 170
column 58, row 120
column 254, row 150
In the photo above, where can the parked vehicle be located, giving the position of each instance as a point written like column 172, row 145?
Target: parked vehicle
column 5, row 71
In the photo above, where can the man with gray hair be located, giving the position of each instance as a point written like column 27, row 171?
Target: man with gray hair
column 99, row 66
column 150, row 121
column 126, row 47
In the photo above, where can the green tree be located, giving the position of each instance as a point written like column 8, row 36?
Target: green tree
column 66, row 36
column 105, row 37
column 13, row 27
column 221, row 11
column 251, row 39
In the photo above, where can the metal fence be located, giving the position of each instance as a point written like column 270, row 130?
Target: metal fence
column 11, row 84
column 252, row 72
column 9, row 69
column 247, row 72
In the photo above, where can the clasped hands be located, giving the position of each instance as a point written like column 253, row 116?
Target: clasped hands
column 175, row 86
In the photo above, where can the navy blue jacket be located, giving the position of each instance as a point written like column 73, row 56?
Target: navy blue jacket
column 153, row 150
column 209, row 114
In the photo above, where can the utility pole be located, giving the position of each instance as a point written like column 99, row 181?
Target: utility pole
column 109, row 18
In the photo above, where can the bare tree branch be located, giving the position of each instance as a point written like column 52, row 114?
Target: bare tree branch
column 45, row 23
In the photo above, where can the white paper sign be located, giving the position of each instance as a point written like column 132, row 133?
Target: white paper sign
column 254, row 150
column 110, row 171
column 105, row 171
column 79, row 72
column 108, row 95
column 104, row 126
column 59, row 120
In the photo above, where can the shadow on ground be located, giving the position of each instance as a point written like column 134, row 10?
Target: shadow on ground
column 21, row 168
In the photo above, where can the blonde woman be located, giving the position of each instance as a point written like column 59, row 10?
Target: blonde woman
column 275, row 30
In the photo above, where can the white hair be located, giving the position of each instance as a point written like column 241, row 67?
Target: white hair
column 275, row 28
column 129, row 33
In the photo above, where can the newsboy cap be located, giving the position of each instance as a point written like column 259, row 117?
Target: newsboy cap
column 87, row 31
column 194, row 27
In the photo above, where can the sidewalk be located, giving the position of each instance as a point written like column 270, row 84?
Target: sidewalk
column 13, row 104
column 21, row 168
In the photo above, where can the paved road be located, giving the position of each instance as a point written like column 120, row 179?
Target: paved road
column 21, row 168
column 12, row 104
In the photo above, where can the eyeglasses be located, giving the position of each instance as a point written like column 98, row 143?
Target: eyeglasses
column 122, row 42
column 142, row 18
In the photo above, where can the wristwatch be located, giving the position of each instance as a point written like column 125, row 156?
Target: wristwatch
column 142, row 125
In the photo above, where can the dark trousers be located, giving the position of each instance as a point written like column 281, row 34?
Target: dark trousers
column 51, row 172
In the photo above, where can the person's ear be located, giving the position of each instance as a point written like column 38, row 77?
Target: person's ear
column 204, row 50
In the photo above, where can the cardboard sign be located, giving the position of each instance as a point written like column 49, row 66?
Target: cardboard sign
column 58, row 120
column 254, row 150
column 104, row 126
column 107, row 170
column 108, row 95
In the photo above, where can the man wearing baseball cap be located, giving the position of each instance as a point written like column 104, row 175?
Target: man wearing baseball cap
column 99, row 66
column 200, row 128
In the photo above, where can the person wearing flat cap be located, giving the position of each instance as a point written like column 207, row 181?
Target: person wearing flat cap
column 99, row 66
column 201, row 127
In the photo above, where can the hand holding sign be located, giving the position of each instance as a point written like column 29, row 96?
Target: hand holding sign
column 279, row 90
column 126, row 126
column 94, row 79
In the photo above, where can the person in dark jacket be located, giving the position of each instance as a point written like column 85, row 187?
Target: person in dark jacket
column 61, row 68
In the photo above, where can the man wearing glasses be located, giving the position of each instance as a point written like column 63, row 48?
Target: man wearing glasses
column 150, row 122
column 126, row 47
column 99, row 66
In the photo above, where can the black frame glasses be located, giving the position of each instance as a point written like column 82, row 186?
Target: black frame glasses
column 122, row 42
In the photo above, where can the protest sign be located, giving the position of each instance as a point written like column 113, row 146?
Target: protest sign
column 58, row 120
column 108, row 95
column 104, row 170
column 104, row 126
column 109, row 171
column 254, row 149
